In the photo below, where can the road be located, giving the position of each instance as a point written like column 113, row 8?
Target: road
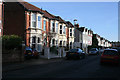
column 86, row 68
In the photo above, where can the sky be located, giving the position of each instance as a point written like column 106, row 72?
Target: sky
column 101, row 17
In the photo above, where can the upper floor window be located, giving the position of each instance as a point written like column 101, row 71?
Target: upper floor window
column 60, row 29
column 34, row 20
column 64, row 30
column 39, row 22
column 44, row 25
column 70, row 32
column 56, row 27
column 53, row 27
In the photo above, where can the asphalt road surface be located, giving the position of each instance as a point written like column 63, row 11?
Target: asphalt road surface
column 88, row 68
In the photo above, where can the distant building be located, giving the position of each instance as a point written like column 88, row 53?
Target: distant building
column 83, row 37
column 78, row 43
column 115, row 44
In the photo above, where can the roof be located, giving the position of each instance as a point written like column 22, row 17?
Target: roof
column 60, row 19
column 111, row 49
column 81, row 29
column 30, row 7
column 69, row 24
column 48, row 15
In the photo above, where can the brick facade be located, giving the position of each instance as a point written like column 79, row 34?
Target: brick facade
column 1, row 20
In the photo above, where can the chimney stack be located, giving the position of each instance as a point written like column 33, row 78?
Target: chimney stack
column 77, row 25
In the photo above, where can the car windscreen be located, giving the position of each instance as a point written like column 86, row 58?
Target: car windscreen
column 110, row 52
column 73, row 50
column 93, row 50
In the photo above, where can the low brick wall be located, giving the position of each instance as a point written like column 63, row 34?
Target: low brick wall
column 12, row 56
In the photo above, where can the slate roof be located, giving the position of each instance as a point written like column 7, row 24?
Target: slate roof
column 69, row 24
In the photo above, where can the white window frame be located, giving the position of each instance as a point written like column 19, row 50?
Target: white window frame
column 53, row 26
column 64, row 30
column 34, row 20
column 71, row 31
column 44, row 25
column 39, row 23
column 56, row 27
column 60, row 29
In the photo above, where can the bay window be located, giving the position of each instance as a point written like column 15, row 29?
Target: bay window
column 44, row 25
column 70, row 32
column 56, row 27
column 53, row 27
column 39, row 22
column 64, row 30
column 34, row 20
column 60, row 29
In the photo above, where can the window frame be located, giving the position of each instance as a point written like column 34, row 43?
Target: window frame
column 34, row 19
column 44, row 25
column 39, row 22
column 60, row 29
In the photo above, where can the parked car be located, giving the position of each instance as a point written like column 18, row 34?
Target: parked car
column 75, row 54
column 31, row 53
column 28, row 53
column 35, row 53
column 101, row 51
column 110, row 56
column 93, row 51
column 117, row 48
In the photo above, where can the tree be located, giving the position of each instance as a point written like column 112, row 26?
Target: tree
column 94, row 41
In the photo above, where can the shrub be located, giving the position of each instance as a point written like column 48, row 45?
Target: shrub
column 11, row 41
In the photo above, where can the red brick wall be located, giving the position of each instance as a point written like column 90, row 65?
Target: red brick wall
column 14, row 19
column 0, row 17
column 27, row 26
column 67, row 34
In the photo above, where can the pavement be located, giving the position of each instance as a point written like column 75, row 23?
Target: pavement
column 27, row 63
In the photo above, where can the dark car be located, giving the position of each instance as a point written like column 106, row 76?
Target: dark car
column 35, row 53
column 101, row 51
column 28, row 53
column 93, row 51
column 110, row 56
column 75, row 54
column 117, row 48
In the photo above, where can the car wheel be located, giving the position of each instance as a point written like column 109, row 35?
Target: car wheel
column 80, row 57
column 83, row 56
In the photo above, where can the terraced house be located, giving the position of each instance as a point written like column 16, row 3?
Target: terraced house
column 62, row 36
column 37, row 27
column 52, row 32
column 70, row 35
column 25, row 20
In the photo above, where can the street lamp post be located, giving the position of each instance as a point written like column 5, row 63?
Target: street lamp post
column 74, row 29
